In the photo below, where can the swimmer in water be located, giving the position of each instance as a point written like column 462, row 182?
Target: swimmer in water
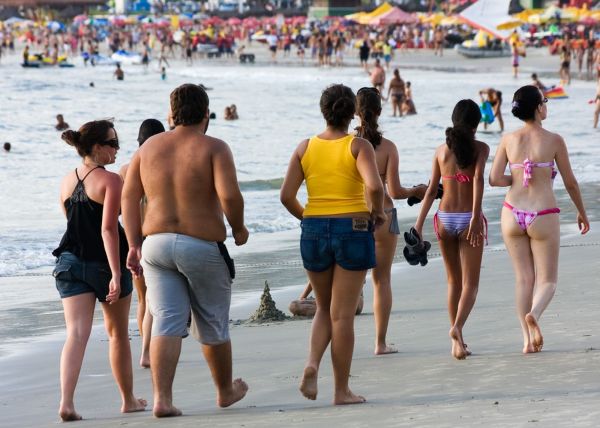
column 494, row 97
column 163, row 73
column 119, row 74
column 377, row 76
column 7, row 147
column 61, row 125
column 537, row 82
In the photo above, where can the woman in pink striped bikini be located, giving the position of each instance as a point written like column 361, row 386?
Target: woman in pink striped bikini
column 530, row 223
column 459, row 222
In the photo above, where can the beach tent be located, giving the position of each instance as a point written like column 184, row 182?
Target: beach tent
column 366, row 18
column 487, row 15
column 394, row 16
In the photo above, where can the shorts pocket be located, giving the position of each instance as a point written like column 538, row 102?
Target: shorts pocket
column 309, row 249
column 62, row 272
column 358, row 252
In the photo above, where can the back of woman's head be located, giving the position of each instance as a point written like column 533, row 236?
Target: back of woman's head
column 526, row 101
column 368, row 109
column 460, row 138
column 338, row 105
column 90, row 133
column 149, row 128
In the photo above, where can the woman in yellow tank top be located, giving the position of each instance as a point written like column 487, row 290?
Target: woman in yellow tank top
column 337, row 243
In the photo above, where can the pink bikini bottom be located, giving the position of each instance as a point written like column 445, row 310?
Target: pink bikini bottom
column 525, row 218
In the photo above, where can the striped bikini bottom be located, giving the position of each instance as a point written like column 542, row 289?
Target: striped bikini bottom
column 455, row 223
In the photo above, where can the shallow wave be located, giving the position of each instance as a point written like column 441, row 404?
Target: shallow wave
column 268, row 184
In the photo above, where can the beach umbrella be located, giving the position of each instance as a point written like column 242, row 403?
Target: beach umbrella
column 234, row 21
column 79, row 19
column 55, row 26
column 298, row 20
column 450, row 20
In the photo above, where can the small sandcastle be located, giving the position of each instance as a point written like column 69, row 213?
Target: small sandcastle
column 267, row 311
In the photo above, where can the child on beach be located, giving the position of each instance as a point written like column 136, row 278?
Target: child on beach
column 530, row 229
column 339, row 170
column 459, row 223
column 91, row 264
column 386, row 237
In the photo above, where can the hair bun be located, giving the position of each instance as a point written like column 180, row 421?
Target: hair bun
column 71, row 137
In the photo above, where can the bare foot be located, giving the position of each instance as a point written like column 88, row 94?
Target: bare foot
column 528, row 348
column 237, row 392
column 145, row 361
column 137, row 405
column 166, row 411
column 308, row 385
column 534, row 332
column 348, row 398
column 68, row 414
column 458, row 348
column 384, row 349
column 467, row 349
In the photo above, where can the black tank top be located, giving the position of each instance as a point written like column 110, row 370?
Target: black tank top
column 84, row 228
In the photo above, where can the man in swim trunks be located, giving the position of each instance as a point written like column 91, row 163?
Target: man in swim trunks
column 189, row 180
column 378, row 76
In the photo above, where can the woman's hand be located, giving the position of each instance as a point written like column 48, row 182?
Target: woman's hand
column 114, row 289
column 583, row 223
column 475, row 233
column 133, row 261
column 378, row 218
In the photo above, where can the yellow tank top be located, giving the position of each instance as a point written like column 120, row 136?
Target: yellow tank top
column 333, row 182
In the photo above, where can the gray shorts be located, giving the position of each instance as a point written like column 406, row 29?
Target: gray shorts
column 184, row 273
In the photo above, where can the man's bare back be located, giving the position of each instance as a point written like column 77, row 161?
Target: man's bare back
column 184, row 173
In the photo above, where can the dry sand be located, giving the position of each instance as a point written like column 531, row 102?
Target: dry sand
column 420, row 386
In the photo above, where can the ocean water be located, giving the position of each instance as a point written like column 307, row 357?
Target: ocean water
column 278, row 107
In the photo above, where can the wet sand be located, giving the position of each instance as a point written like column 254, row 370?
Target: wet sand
column 420, row 386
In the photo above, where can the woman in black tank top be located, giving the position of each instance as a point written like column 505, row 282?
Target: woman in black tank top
column 91, row 263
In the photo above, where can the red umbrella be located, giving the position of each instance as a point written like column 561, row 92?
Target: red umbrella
column 213, row 20
column 234, row 21
column 299, row 20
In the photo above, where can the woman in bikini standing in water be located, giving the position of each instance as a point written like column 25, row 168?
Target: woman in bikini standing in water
column 386, row 237
column 530, row 229
column 459, row 223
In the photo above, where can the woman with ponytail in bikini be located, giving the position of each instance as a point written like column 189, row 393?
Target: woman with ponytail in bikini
column 368, row 110
column 459, row 223
column 530, row 223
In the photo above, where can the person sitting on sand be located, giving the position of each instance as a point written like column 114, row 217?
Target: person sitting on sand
column 90, row 264
column 338, row 168
column 529, row 220
column 119, row 73
column 368, row 109
column 408, row 106
column 61, row 125
column 494, row 97
column 306, row 306
column 148, row 128
column 459, row 223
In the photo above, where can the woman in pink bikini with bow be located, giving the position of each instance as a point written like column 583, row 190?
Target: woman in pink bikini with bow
column 459, row 222
column 530, row 223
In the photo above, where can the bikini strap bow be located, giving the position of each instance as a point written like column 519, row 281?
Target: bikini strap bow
column 527, row 172
column 462, row 178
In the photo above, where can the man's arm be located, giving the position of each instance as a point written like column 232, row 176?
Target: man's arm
column 133, row 191
column 228, row 192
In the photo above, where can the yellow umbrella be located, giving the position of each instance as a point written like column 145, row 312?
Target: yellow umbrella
column 450, row 20
column 434, row 19
column 510, row 24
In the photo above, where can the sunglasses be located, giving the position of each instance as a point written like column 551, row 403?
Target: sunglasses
column 113, row 142
column 545, row 100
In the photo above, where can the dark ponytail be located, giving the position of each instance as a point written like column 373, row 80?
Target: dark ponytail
column 368, row 108
column 460, row 138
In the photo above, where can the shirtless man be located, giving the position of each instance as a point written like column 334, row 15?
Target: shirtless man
column 189, row 180
column 377, row 76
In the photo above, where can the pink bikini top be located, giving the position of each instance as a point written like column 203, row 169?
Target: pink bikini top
column 459, row 177
column 528, row 166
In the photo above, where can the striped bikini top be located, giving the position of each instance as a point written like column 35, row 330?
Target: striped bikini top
column 528, row 166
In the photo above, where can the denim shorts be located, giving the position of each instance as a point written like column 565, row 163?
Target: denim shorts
column 74, row 276
column 347, row 242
